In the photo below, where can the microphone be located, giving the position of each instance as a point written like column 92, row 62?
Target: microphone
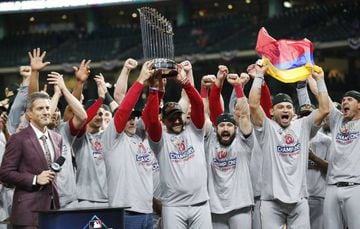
column 56, row 165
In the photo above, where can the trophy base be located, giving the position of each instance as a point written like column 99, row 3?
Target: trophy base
column 165, row 67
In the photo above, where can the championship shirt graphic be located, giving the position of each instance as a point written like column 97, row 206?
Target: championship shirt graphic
column 223, row 160
column 182, row 152
column 143, row 155
column 97, row 149
column 347, row 134
column 289, row 145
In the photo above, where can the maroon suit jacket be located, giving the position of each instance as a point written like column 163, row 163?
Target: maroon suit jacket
column 23, row 159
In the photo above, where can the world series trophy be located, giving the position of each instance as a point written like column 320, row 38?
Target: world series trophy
column 157, row 39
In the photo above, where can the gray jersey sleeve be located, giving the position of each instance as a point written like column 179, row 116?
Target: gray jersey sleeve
column 17, row 109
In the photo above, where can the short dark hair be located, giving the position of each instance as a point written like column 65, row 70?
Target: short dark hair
column 35, row 96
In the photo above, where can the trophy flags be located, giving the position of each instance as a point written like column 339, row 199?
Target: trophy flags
column 289, row 61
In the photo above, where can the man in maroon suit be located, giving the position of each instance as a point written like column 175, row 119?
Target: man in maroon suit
column 26, row 165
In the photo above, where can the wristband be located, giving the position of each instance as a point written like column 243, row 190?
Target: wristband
column 239, row 91
column 153, row 89
column 258, row 81
column 108, row 99
column 204, row 92
column 321, row 85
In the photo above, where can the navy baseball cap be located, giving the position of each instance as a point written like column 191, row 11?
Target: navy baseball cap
column 354, row 94
column 305, row 109
column 225, row 117
column 170, row 108
column 280, row 98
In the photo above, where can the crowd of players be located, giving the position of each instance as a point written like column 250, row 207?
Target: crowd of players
column 187, row 164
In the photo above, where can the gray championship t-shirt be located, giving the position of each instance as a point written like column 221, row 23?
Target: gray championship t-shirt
column 91, row 181
column 316, row 180
column 183, row 177
column 66, row 178
column 129, row 165
column 344, row 162
column 229, row 181
column 285, row 158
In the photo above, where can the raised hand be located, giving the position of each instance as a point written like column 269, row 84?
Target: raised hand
column 37, row 60
column 130, row 64
column 244, row 78
column 187, row 66
column 233, row 79
column 318, row 75
column 25, row 71
column 208, row 80
column 146, row 72
column 181, row 76
column 222, row 72
column 83, row 71
column 100, row 83
column 57, row 80
column 260, row 68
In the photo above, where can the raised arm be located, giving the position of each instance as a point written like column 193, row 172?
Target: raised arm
column 108, row 100
column 265, row 100
column 184, row 100
column 150, row 114
column 242, row 111
column 80, row 115
column 122, row 81
column 323, row 98
column 256, row 113
column 123, row 113
column 215, row 105
column 19, row 105
column 37, row 64
column 207, row 82
column 82, row 74
column 314, row 89
column 197, row 106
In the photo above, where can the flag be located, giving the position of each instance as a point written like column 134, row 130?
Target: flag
column 289, row 60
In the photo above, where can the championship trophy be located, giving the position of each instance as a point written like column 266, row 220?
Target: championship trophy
column 157, row 39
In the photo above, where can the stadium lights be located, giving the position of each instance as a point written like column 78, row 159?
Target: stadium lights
column 287, row 4
column 16, row 6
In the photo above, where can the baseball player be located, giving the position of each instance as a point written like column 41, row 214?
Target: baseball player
column 285, row 154
column 180, row 153
column 317, row 163
column 129, row 162
column 256, row 154
column 228, row 151
column 341, row 206
column 89, row 154
column 66, row 180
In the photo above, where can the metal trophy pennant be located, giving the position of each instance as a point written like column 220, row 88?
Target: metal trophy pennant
column 157, row 39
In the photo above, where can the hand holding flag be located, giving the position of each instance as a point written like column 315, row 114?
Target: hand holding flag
column 289, row 61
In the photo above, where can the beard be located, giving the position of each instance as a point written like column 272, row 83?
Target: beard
column 225, row 142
